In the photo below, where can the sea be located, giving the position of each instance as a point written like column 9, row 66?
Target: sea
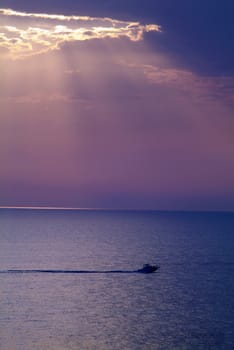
column 80, row 303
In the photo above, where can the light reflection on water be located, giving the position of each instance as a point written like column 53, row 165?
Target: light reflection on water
column 188, row 304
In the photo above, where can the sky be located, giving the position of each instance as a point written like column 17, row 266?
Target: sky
column 117, row 104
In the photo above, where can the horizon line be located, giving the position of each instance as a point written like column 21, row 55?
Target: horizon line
column 47, row 207
column 111, row 209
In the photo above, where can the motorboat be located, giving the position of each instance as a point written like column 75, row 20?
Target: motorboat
column 147, row 268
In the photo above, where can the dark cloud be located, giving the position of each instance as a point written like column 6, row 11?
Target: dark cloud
column 197, row 34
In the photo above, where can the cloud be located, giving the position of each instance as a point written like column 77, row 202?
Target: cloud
column 117, row 69
column 27, row 34
column 197, row 35
column 203, row 89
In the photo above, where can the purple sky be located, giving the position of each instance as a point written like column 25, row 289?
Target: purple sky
column 125, row 105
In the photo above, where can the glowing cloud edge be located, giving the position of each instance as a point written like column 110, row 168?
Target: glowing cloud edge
column 25, row 40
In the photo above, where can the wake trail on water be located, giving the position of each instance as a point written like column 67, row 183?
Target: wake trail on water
column 65, row 271
column 147, row 268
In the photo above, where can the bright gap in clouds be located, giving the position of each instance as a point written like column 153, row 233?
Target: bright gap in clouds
column 23, row 34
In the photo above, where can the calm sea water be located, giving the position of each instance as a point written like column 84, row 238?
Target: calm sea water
column 188, row 304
